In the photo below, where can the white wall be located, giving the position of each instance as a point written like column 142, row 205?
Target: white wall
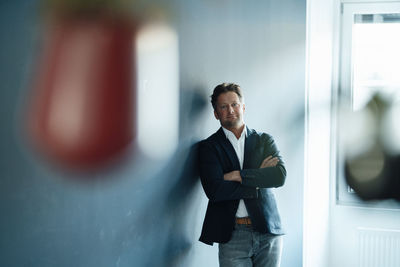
column 317, row 149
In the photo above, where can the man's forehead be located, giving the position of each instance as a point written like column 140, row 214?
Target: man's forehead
column 228, row 97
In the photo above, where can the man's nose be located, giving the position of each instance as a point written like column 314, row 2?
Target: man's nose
column 230, row 109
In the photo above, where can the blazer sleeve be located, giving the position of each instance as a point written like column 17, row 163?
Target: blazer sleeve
column 212, row 177
column 266, row 177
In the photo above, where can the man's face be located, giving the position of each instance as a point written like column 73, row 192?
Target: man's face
column 229, row 110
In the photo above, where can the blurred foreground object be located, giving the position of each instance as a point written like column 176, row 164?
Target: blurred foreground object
column 81, row 110
column 157, row 90
column 372, row 166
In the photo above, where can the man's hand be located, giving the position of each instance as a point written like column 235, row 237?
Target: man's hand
column 233, row 176
column 269, row 162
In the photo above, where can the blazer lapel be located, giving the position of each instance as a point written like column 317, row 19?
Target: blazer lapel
column 249, row 145
column 227, row 146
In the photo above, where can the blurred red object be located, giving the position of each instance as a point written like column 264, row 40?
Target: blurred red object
column 81, row 112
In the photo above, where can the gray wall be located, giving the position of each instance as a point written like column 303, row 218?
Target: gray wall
column 260, row 46
column 141, row 212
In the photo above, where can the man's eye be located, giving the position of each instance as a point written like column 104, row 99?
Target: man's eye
column 223, row 107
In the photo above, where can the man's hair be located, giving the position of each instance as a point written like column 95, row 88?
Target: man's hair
column 224, row 88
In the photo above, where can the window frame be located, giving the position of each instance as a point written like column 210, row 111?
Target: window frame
column 344, row 194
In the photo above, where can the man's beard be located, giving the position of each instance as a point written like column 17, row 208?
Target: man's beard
column 233, row 123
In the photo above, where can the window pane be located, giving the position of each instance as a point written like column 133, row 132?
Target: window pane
column 376, row 56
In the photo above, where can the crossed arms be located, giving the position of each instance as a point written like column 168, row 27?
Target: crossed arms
column 235, row 175
column 220, row 185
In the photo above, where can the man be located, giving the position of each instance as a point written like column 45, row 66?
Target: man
column 238, row 167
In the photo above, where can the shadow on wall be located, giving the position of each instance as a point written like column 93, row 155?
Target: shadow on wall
column 161, row 232
column 163, row 222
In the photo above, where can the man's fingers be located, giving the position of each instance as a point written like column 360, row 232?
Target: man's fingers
column 233, row 176
column 270, row 159
column 269, row 162
column 267, row 158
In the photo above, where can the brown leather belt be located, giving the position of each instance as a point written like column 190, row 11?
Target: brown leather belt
column 244, row 220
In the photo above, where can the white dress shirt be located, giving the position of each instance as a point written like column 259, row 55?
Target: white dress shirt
column 238, row 145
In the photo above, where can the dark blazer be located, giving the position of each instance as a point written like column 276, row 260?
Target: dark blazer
column 217, row 157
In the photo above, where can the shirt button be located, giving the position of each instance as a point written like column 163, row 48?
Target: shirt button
column 257, row 188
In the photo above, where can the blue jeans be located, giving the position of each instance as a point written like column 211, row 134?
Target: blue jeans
column 250, row 248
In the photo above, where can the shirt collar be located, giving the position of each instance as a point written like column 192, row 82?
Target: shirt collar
column 229, row 133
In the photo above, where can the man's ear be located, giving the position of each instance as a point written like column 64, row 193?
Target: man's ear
column 244, row 107
column 216, row 115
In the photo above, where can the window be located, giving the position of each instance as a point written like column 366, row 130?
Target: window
column 369, row 92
